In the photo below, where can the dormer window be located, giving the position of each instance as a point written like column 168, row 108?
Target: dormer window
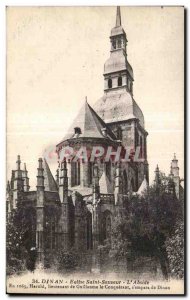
column 119, row 81
column 77, row 130
column 104, row 131
column 109, row 83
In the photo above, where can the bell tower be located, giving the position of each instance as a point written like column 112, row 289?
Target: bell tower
column 118, row 73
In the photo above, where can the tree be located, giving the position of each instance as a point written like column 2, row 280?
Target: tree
column 67, row 260
column 146, row 223
column 175, row 251
column 15, row 249
column 20, row 240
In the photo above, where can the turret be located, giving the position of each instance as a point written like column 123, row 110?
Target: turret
column 118, row 74
column 64, row 219
column 117, row 182
column 18, row 184
column 63, row 183
column 26, row 179
column 96, row 186
column 57, row 177
column 157, row 179
column 174, row 166
column 175, row 172
column 95, row 214
column 40, row 212
column 8, row 202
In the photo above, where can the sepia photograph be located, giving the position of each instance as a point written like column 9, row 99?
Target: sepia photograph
column 95, row 150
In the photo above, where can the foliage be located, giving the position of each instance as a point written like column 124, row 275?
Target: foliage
column 175, row 251
column 14, row 247
column 145, row 224
column 19, row 241
column 67, row 260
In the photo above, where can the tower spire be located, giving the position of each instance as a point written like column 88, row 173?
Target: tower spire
column 118, row 17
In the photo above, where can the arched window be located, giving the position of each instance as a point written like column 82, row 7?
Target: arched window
column 119, row 81
column 114, row 44
column 75, row 173
column 90, row 172
column 106, row 225
column 108, row 169
column 119, row 133
column 119, row 43
column 109, row 83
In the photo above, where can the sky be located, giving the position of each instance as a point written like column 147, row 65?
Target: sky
column 55, row 58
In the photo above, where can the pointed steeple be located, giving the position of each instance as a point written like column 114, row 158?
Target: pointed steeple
column 8, row 188
column 26, row 179
column 49, row 181
column 174, row 166
column 18, row 163
column 118, row 17
column 157, row 176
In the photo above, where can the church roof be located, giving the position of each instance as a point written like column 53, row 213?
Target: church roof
column 89, row 125
column 49, row 181
column 118, row 29
column 117, row 106
column 118, row 62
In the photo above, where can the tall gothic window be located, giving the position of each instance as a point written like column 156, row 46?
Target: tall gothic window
column 75, row 173
column 106, row 225
column 90, row 172
column 109, row 83
column 119, row 81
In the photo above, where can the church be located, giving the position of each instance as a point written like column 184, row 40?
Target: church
column 76, row 208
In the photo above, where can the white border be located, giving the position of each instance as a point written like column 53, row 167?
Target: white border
column 3, row 5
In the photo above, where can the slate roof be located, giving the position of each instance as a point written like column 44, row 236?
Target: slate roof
column 90, row 124
column 118, row 28
column 118, row 62
column 117, row 106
